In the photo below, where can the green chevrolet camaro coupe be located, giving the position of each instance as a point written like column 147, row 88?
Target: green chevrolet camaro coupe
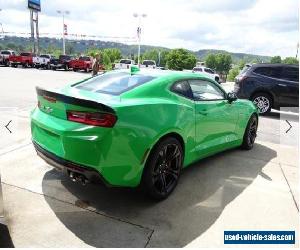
column 138, row 128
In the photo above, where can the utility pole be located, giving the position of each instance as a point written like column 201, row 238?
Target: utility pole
column 34, row 7
column 139, row 31
column 63, row 13
column 2, row 30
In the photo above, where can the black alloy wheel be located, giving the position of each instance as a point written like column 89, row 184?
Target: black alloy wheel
column 163, row 168
column 250, row 133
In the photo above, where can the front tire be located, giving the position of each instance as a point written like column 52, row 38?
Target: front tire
column 163, row 168
column 263, row 102
column 250, row 133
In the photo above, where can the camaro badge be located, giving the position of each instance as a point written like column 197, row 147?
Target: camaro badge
column 48, row 109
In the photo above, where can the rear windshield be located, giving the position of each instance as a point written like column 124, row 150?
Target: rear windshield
column 64, row 57
column 84, row 58
column 114, row 83
column 148, row 63
column 244, row 70
column 125, row 61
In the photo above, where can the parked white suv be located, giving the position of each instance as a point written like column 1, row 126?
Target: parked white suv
column 124, row 64
column 208, row 72
column 148, row 64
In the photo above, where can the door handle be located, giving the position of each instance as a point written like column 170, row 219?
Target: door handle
column 282, row 85
column 202, row 112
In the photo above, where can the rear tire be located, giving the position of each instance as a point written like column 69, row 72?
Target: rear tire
column 163, row 168
column 250, row 133
column 263, row 102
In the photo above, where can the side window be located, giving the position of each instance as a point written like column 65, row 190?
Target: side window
column 208, row 71
column 205, row 91
column 182, row 88
column 290, row 74
column 269, row 71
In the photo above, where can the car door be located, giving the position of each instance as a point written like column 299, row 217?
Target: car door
column 215, row 117
column 288, row 86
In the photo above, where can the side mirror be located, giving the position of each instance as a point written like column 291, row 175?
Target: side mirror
column 231, row 97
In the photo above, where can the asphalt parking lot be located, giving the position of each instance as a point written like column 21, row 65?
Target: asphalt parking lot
column 234, row 190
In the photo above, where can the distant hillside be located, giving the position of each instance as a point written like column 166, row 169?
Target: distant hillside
column 80, row 46
column 201, row 54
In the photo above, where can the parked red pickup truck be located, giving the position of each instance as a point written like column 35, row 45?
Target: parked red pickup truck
column 82, row 63
column 24, row 59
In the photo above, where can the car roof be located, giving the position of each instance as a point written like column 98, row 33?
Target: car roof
column 274, row 65
column 165, row 73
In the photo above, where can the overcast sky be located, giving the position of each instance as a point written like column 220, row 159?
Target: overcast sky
column 266, row 27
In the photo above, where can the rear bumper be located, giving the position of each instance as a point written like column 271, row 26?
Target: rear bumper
column 101, row 150
column 66, row 166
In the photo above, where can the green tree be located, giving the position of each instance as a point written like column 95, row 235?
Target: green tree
column 70, row 50
column 223, row 64
column 179, row 59
column 290, row 60
column 93, row 51
column 233, row 73
column 53, row 50
column 276, row 59
column 242, row 64
column 11, row 46
column 106, row 60
column 151, row 55
column 159, row 56
column 211, row 61
column 163, row 58
column 113, row 54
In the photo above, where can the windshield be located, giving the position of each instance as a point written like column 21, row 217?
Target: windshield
column 25, row 54
column 45, row 56
column 84, row 58
column 148, row 63
column 197, row 69
column 5, row 52
column 125, row 61
column 114, row 83
column 64, row 57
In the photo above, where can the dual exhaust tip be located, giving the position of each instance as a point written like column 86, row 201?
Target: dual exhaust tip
column 76, row 177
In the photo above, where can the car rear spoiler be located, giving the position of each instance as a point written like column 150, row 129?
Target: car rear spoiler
column 74, row 100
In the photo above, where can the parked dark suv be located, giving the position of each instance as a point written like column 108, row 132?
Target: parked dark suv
column 63, row 62
column 269, row 86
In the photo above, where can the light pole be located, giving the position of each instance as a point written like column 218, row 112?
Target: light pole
column 2, row 30
column 63, row 13
column 139, row 31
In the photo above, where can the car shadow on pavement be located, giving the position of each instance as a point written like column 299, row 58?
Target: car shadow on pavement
column 204, row 190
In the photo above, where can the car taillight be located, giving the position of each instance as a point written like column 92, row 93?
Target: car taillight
column 94, row 119
column 243, row 78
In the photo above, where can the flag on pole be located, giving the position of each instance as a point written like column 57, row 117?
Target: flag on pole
column 65, row 30
column 139, row 31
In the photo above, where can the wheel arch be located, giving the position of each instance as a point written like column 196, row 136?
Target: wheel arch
column 173, row 134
